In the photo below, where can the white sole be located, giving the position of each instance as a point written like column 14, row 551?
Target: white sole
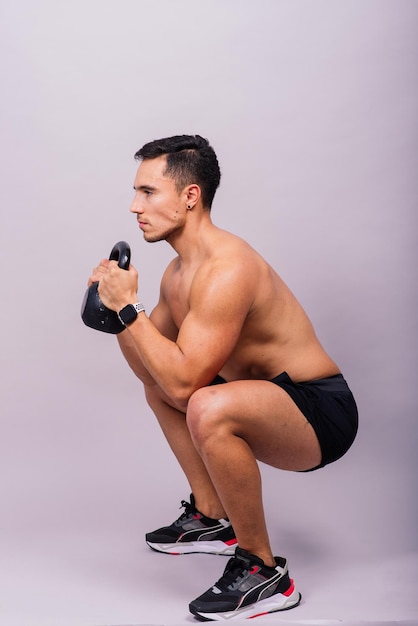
column 191, row 547
column 278, row 602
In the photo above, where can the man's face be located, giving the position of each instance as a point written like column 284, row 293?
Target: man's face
column 159, row 208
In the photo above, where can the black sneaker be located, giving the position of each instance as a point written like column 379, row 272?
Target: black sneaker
column 248, row 588
column 194, row 532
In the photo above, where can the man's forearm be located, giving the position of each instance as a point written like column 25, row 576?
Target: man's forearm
column 130, row 352
column 164, row 361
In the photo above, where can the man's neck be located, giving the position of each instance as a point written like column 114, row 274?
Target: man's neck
column 191, row 243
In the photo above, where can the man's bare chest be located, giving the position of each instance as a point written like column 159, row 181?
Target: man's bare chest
column 178, row 297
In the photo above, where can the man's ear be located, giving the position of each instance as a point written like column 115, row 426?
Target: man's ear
column 193, row 195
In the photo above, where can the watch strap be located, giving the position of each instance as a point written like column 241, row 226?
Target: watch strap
column 129, row 313
column 139, row 307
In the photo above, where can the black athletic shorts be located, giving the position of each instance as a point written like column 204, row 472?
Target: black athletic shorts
column 329, row 406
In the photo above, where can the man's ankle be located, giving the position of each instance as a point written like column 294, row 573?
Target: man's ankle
column 210, row 509
column 265, row 555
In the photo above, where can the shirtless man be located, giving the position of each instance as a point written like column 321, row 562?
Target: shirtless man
column 233, row 371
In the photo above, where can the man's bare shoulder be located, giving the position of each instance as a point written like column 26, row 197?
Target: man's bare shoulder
column 229, row 250
column 232, row 268
column 225, row 240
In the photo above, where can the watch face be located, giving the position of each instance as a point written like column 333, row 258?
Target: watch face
column 128, row 314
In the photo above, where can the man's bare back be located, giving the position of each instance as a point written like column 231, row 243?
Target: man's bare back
column 275, row 334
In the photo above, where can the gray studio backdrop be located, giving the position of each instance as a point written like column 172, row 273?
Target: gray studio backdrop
column 312, row 109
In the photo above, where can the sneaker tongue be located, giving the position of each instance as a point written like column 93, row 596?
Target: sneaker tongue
column 247, row 558
column 241, row 562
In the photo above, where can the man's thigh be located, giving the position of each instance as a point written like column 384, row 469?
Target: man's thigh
column 267, row 418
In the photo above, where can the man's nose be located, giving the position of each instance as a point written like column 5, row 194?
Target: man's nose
column 136, row 206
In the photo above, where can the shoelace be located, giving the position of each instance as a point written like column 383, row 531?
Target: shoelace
column 189, row 510
column 235, row 571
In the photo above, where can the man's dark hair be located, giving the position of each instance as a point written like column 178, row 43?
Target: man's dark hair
column 190, row 159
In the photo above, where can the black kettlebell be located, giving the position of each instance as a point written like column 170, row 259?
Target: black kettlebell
column 93, row 312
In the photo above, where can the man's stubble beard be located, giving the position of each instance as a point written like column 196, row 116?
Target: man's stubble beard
column 166, row 236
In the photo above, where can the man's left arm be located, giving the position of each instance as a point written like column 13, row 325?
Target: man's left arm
column 220, row 298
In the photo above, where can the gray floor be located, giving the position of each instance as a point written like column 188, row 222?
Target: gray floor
column 74, row 514
column 108, row 579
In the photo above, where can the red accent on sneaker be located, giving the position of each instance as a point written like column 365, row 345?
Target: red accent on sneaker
column 197, row 516
column 231, row 542
column 290, row 590
column 254, row 569
column 259, row 615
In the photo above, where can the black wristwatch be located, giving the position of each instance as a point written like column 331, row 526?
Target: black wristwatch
column 129, row 313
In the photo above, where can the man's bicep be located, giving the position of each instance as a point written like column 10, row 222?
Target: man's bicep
column 206, row 349
column 211, row 331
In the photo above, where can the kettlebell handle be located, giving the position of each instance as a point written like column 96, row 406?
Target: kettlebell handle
column 93, row 312
column 121, row 253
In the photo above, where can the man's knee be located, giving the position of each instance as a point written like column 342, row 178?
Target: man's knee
column 205, row 415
